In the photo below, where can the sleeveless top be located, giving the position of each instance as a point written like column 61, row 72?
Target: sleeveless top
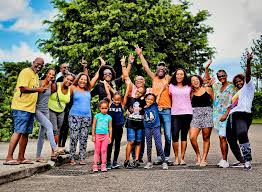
column 57, row 101
column 157, row 85
column 81, row 104
column 116, row 112
column 42, row 101
column 202, row 101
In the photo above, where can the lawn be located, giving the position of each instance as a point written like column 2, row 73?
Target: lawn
column 257, row 121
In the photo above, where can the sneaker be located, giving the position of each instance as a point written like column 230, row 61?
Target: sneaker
column 115, row 165
column 220, row 162
column 149, row 165
column 108, row 165
column 247, row 166
column 128, row 165
column 95, row 169
column 158, row 162
column 136, row 164
column 223, row 164
column 165, row 166
column 140, row 161
column 103, row 168
column 169, row 163
column 238, row 164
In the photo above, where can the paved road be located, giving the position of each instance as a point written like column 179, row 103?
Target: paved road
column 179, row 178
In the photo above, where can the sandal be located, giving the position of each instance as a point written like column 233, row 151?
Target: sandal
column 203, row 164
column 41, row 160
column 82, row 162
column 72, row 162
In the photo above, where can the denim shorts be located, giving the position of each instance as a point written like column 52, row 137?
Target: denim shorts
column 134, row 134
column 23, row 121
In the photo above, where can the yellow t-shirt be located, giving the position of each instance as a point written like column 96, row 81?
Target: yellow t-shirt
column 26, row 101
column 157, row 85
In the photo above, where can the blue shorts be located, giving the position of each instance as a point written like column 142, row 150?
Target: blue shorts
column 23, row 121
column 134, row 134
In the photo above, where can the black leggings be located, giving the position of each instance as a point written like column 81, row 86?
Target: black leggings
column 117, row 132
column 237, row 130
column 180, row 123
column 63, row 132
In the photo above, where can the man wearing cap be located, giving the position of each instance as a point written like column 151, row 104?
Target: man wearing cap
column 160, row 80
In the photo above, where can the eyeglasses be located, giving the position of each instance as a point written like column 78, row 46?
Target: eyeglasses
column 108, row 74
column 221, row 76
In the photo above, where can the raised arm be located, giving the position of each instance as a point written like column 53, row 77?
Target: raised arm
column 95, row 78
column 108, row 94
column 207, row 75
column 130, row 63
column 144, row 62
column 126, row 95
column 248, row 68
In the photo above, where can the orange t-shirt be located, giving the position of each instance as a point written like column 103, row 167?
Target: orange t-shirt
column 157, row 85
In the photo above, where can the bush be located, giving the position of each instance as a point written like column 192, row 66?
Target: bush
column 257, row 106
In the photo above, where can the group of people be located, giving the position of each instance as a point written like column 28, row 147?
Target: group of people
column 179, row 104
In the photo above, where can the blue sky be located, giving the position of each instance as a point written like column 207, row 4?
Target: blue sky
column 235, row 22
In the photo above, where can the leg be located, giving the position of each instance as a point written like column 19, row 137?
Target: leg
column 166, row 120
column 158, row 142
column 22, row 147
column 232, row 138
column 83, row 136
column 176, row 124
column 185, row 126
column 142, row 148
column 110, row 145
column 97, row 152
column 206, row 132
column 138, row 139
column 74, row 125
column 12, row 145
column 223, row 147
column 193, row 134
column 63, row 133
column 53, row 120
column 131, row 140
column 104, row 145
column 118, row 137
column 60, row 121
column 148, row 134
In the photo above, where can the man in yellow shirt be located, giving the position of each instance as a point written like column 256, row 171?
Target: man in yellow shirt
column 23, row 110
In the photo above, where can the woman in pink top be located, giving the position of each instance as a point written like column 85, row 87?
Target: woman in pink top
column 181, row 112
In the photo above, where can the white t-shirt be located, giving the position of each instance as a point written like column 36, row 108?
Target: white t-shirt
column 245, row 98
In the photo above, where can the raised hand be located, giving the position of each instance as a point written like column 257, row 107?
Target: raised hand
column 83, row 62
column 131, row 58
column 138, row 50
column 102, row 61
column 249, row 56
column 123, row 60
column 208, row 63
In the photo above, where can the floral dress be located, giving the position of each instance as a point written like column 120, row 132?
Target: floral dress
column 222, row 101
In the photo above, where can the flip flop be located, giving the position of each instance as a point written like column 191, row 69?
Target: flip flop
column 82, row 163
column 41, row 161
column 11, row 162
column 26, row 161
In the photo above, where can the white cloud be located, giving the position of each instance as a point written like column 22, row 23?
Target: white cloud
column 22, row 52
column 236, row 23
column 27, row 20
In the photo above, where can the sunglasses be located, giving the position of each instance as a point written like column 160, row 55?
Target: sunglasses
column 107, row 74
column 221, row 76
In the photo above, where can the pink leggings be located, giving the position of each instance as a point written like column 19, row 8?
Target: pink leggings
column 101, row 144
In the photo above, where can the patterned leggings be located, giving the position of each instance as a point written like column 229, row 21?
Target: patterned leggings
column 78, row 130
column 157, row 137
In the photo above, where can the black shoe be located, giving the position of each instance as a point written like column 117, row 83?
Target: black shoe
column 158, row 162
column 140, row 161
column 136, row 164
column 108, row 165
column 170, row 163
column 115, row 165
column 128, row 165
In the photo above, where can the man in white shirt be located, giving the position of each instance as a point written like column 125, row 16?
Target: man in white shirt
column 240, row 117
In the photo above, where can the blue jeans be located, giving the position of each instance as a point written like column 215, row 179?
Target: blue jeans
column 23, row 121
column 45, row 127
column 134, row 135
column 165, row 121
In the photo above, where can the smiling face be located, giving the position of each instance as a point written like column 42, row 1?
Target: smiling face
column 239, row 83
column 150, row 99
column 180, row 75
column 68, row 80
column 161, row 71
column 107, row 75
column 64, row 68
column 222, row 77
column 38, row 64
column 195, row 82
column 117, row 100
column 139, row 81
column 139, row 92
column 82, row 81
column 50, row 76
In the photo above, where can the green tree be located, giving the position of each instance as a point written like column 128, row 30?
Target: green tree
column 256, row 65
column 111, row 28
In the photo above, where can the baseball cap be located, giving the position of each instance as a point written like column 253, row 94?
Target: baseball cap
column 161, row 63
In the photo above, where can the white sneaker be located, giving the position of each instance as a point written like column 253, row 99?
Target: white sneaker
column 148, row 165
column 220, row 162
column 247, row 166
column 165, row 166
column 224, row 164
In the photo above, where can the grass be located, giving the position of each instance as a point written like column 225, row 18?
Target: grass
column 257, row 121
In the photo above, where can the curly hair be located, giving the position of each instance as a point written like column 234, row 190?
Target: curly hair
column 173, row 79
column 101, row 72
column 199, row 78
